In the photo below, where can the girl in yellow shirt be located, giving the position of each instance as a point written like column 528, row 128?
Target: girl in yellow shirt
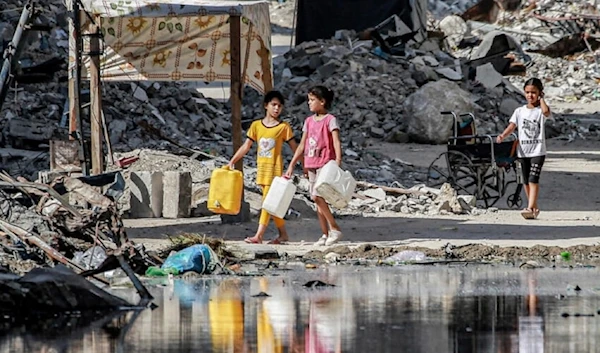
column 270, row 133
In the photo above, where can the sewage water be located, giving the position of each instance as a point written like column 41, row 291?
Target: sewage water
column 399, row 309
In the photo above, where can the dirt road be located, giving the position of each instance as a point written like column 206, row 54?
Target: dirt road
column 570, row 203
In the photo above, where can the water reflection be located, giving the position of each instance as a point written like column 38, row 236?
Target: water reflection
column 407, row 309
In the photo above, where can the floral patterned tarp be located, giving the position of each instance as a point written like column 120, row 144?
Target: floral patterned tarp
column 179, row 40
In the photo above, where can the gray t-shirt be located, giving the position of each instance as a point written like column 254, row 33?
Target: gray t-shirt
column 531, row 132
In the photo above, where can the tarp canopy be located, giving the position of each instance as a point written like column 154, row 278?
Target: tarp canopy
column 178, row 40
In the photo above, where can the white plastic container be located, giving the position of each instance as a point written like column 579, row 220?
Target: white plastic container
column 279, row 197
column 335, row 185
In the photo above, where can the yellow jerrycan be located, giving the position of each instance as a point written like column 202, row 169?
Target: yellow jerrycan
column 225, row 191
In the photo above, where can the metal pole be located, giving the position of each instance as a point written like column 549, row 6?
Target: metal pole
column 14, row 49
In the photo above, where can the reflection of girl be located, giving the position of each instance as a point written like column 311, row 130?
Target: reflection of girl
column 531, row 327
column 226, row 313
column 329, row 321
column 276, row 318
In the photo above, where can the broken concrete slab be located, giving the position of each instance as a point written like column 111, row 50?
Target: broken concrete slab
column 449, row 74
column 377, row 194
column 139, row 93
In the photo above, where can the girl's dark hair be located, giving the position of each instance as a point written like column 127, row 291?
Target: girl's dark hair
column 274, row 95
column 324, row 93
column 535, row 82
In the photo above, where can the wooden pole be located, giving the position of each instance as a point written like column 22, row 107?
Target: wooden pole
column 74, row 74
column 12, row 52
column 96, row 101
column 236, row 85
column 73, row 66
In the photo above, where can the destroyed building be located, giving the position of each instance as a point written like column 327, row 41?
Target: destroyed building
column 373, row 90
column 390, row 85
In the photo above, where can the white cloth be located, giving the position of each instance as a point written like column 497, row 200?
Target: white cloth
column 531, row 132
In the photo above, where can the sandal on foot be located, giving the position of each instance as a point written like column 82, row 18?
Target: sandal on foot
column 252, row 241
column 278, row 241
column 536, row 212
column 527, row 214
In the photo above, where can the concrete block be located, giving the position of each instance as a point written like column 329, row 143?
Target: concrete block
column 177, row 199
column 146, row 190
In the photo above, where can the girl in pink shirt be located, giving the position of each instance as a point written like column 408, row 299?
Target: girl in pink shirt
column 320, row 144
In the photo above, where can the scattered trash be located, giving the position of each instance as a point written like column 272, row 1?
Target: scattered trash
column 317, row 284
column 407, row 255
column 154, row 271
column 91, row 258
column 565, row 255
column 530, row 265
column 449, row 251
column 577, row 315
column 198, row 258
column 332, row 257
column 261, row 295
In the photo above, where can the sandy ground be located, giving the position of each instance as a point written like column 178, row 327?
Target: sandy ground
column 569, row 200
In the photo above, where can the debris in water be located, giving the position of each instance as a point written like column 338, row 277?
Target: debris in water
column 317, row 284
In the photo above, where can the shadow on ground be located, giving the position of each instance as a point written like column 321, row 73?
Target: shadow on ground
column 387, row 229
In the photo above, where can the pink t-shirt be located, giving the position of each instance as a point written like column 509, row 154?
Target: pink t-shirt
column 318, row 147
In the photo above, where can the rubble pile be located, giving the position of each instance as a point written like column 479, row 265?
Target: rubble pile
column 282, row 16
column 559, row 39
column 43, row 224
column 396, row 99
column 379, row 97
column 419, row 200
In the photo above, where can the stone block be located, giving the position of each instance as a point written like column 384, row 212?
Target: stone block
column 177, row 199
column 488, row 76
column 146, row 190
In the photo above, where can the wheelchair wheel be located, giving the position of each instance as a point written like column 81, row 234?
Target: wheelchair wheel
column 492, row 186
column 515, row 200
column 455, row 168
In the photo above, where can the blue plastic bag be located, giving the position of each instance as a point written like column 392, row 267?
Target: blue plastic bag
column 195, row 258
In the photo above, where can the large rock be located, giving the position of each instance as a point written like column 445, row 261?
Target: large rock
column 425, row 124
column 455, row 28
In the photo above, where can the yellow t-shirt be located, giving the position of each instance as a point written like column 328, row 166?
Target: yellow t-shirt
column 270, row 142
